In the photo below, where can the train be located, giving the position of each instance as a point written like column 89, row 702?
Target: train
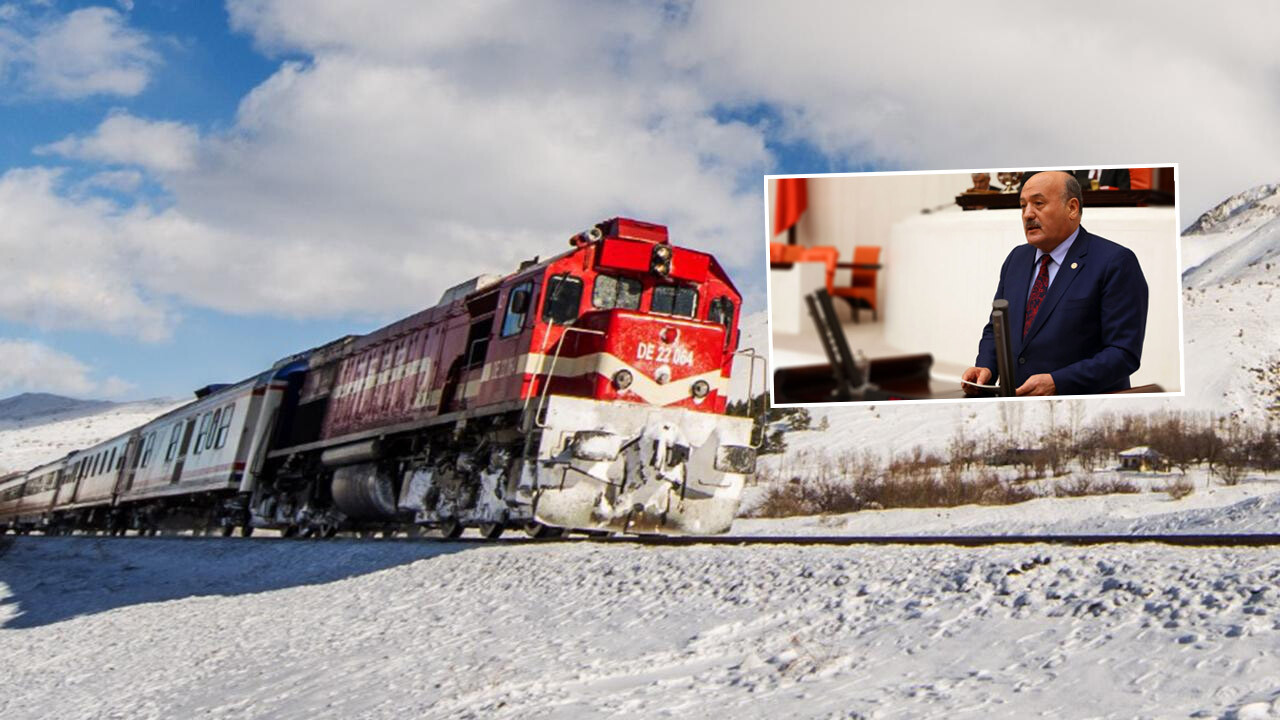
column 586, row 393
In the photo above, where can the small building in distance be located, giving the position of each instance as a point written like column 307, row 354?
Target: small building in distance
column 1142, row 459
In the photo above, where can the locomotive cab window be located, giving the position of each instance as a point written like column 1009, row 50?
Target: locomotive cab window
column 562, row 299
column 674, row 300
column 616, row 292
column 517, row 308
column 721, row 311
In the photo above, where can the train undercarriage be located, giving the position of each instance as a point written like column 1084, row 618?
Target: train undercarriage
column 660, row 470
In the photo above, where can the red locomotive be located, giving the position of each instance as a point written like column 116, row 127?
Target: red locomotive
column 583, row 392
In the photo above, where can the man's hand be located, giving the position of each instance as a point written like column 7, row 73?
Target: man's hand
column 979, row 375
column 1041, row 384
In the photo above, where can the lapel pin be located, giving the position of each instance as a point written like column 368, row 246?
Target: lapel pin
column 1074, row 265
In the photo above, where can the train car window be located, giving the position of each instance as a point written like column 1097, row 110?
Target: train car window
column 148, row 445
column 478, row 341
column 202, row 433
column 213, row 428
column 224, row 426
column 174, row 437
column 616, row 292
column 562, row 298
column 721, row 311
column 111, row 464
column 517, row 309
column 674, row 300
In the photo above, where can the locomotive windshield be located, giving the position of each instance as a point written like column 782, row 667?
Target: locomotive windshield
column 674, row 300
column 563, row 296
column 616, row 292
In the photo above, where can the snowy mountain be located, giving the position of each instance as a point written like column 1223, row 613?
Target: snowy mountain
column 1245, row 210
column 37, row 431
column 32, row 406
column 1233, row 219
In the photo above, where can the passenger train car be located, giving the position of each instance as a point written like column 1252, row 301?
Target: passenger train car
column 585, row 392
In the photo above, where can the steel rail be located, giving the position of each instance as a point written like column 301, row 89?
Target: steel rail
column 973, row 541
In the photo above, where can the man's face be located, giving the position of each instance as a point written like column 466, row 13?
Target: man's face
column 1047, row 219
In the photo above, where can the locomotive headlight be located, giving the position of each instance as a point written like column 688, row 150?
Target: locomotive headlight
column 660, row 260
column 622, row 379
column 663, row 375
column 700, row 389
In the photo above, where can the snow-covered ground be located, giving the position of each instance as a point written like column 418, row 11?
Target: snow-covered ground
column 30, row 441
column 159, row 628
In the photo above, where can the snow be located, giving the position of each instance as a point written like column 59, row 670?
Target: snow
column 35, row 439
column 97, row 627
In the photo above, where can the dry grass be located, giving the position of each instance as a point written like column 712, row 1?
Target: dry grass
column 944, row 489
column 1179, row 488
column 1082, row 485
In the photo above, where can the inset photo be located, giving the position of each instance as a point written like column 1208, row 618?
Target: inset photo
column 974, row 284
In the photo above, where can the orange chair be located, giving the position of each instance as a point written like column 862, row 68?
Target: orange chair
column 826, row 255
column 861, row 292
column 1140, row 178
column 783, row 253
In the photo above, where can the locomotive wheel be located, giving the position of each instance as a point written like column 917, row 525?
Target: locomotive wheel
column 451, row 529
column 227, row 530
column 246, row 530
column 491, row 531
column 289, row 531
column 538, row 531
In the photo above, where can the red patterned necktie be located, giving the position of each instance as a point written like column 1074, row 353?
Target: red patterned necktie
column 1038, row 290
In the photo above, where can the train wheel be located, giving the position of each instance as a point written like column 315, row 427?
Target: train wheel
column 451, row 529
column 246, row 530
column 289, row 531
column 227, row 530
column 538, row 531
column 491, row 531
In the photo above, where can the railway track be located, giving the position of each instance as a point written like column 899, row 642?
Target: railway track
column 974, row 541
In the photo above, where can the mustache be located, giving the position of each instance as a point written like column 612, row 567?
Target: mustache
column 1031, row 225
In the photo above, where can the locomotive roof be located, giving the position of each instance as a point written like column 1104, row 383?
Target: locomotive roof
column 452, row 300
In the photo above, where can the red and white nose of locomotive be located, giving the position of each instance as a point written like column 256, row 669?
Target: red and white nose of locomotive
column 663, row 361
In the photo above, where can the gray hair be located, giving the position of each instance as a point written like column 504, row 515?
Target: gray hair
column 1071, row 189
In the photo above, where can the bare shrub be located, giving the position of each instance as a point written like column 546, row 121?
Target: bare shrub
column 1082, row 485
column 1180, row 488
column 808, row 497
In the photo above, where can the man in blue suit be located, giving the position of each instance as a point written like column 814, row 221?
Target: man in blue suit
column 1077, row 302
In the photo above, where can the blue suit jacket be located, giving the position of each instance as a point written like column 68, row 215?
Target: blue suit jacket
column 1089, row 329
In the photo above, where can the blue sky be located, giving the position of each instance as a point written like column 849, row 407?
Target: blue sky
column 189, row 191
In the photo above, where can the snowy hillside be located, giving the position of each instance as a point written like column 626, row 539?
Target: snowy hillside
column 39, row 438
column 42, row 407
column 1228, row 222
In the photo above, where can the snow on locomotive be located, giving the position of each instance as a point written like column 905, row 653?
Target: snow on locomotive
column 584, row 392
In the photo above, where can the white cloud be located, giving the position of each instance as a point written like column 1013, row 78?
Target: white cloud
column 90, row 51
column 127, row 140
column 69, row 264
column 29, row 366
column 428, row 142
column 363, row 182
column 945, row 87
column 124, row 181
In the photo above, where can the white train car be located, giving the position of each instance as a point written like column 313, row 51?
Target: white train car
column 11, row 489
column 191, row 459
column 26, row 501
column 89, row 483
